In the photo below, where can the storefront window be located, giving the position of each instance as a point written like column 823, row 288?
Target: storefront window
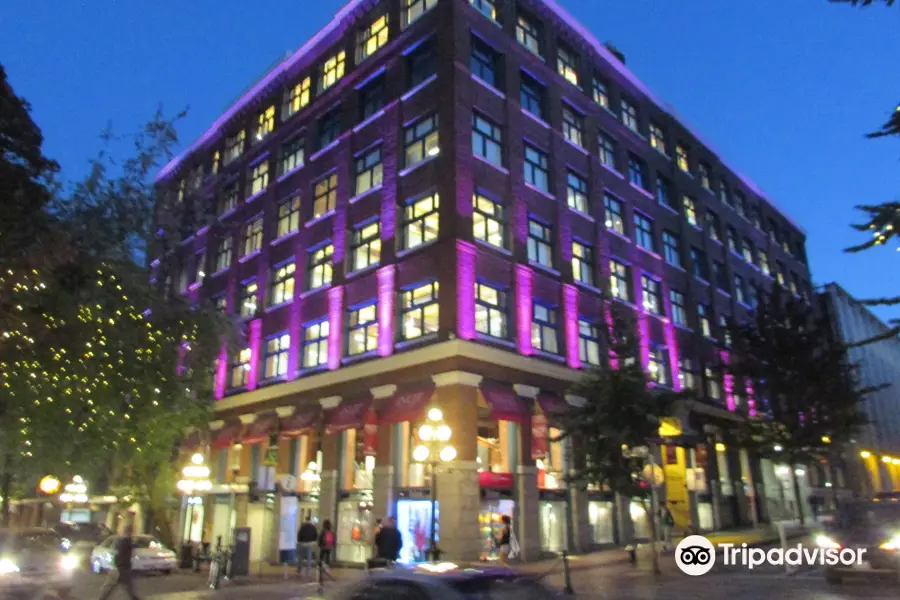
column 493, row 447
column 551, row 467
column 600, row 516
column 639, row 520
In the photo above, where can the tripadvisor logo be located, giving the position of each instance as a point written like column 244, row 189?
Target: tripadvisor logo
column 695, row 555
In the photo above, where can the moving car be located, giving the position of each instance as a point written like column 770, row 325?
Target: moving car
column 33, row 560
column 870, row 525
column 149, row 555
column 80, row 539
column 448, row 581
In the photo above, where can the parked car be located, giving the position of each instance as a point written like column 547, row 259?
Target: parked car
column 33, row 560
column 448, row 581
column 80, row 539
column 873, row 526
column 149, row 555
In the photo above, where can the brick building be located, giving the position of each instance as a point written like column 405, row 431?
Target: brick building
column 422, row 207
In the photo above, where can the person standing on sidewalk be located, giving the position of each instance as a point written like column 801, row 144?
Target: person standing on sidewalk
column 326, row 544
column 122, row 574
column 388, row 542
column 307, row 537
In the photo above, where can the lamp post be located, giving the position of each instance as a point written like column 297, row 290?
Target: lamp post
column 194, row 478
column 434, row 449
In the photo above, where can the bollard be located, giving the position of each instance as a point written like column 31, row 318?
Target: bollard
column 567, row 575
column 321, row 579
column 631, row 549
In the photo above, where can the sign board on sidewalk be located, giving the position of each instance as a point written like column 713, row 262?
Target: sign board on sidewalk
column 287, row 524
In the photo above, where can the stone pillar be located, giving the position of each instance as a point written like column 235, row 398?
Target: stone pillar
column 624, row 524
column 329, row 484
column 527, row 513
column 458, row 492
column 383, row 477
column 580, row 535
column 690, row 459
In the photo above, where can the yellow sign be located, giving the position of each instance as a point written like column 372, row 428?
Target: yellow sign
column 49, row 485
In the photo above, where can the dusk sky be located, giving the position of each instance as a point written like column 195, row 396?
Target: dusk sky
column 785, row 91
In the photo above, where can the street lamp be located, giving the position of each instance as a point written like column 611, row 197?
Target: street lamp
column 434, row 449
column 75, row 492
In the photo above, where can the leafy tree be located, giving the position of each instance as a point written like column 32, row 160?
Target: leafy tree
column 619, row 418
column 805, row 389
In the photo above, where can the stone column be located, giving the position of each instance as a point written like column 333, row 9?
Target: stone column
column 580, row 532
column 527, row 513
column 383, row 477
column 329, row 486
column 624, row 524
column 458, row 492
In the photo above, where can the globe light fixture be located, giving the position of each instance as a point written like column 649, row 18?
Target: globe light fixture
column 435, row 436
column 420, row 454
column 49, row 485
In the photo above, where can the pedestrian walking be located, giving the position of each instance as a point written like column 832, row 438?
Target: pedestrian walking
column 121, row 575
column 504, row 540
column 326, row 544
column 307, row 538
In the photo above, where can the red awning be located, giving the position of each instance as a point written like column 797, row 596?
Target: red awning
column 259, row 430
column 539, row 437
column 347, row 415
column 552, row 406
column 407, row 405
column 302, row 422
column 227, row 436
column 505, row 404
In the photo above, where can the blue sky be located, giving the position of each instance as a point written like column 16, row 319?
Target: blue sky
column 784, row 90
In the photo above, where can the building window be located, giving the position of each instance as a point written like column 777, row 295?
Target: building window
column 752, row 295
column 658, row 366
column 703, row 171
column 535, row 167
column 265, row 123
column 253, row 236
column 739, row 289
column 223, row 253
column 288, row 216
column 713, row 228
column 567, row 63
column 681, row 158
column 748, row 250
column 588, row 342
column 421, row 140
column 419, row 311
column 607, row 151
column 544, row 335
column 725, row 196
column 229, row 198
column 740, row 204
column 329, row 128
column 199, row 266
column 531, row 96
column 332, row 70
column 373, row 37
column 413, row 9
column 663, row 191
column 679, row 313
column 371, row 98
column 488, row 221
column 484, row 62
column 703, row 320
column 491, row 311
column 320, row 270
column 540, row 243
column 298, row 96
column 619, row 280
column 671, row 250
column 732, row 240
column 234, row 146
column 259, row 178
column 485, row 7
column 699, row 266
column 487, row 140
column 368, row 171
column 365, row 246
column 315, row 344
column 362, row 332
column 720, row 276
column 292, row 154
column 324, row 195
column 658, row 138
column 240, row 370
column 690, row 211
column 421, row 63
column 220, row 302
column 636, row 171
column 576, row 192
column 687, row 374
column 572, row 125
column 276, row 358
column 643, row 232
column 652, row 295
column 615, row 220
column 764, row 263
column 630, row 115
column 421, row 221
column 600, row 93
column 528, row 32
column 282, row 286
column 249, row 298
column 582, row 263
column 713, row 384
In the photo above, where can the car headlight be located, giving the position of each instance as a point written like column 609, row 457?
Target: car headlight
column 69, row 562
column 7, row 566
column 892, row 544
column 823, row 541
column 66, row 543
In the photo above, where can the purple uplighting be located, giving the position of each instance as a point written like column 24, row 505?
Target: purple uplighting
column 335, row 320
column 727, row 381
column 255, row 341
column 386, row 310
column 570, row 314
column 644, row 337
column 523, row 308
column 339, row 237
column 672, row 342
column 465, row 293
column 221, row 372
column 295, row 333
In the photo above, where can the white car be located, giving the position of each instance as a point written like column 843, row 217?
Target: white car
column 148, row 554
